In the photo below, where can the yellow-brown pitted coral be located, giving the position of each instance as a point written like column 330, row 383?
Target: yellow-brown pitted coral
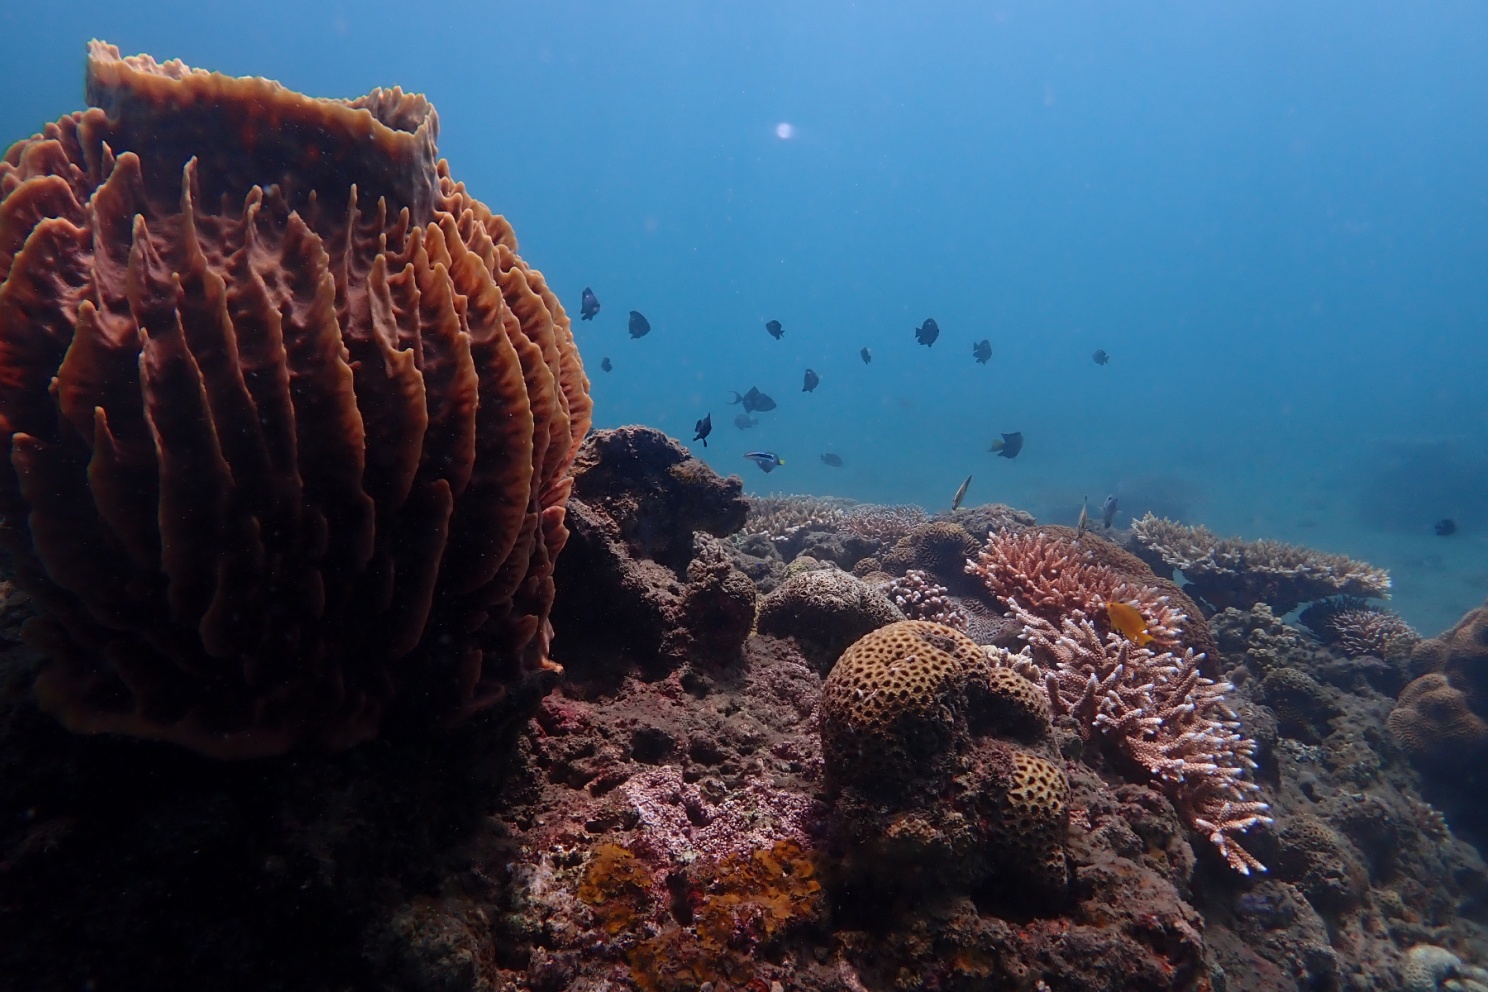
column 1033, row 815
column 908, row 679
column 932, row 754
column 289, row 422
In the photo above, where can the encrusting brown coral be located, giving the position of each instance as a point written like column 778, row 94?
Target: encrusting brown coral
column 290, row 423
column 1227, row 572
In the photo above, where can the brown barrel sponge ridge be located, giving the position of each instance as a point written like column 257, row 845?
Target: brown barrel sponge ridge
column 289, row 421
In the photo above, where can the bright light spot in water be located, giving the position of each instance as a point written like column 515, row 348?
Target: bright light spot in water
column 784, row 131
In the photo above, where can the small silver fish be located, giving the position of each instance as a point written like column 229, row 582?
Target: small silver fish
column 1108, row 510
column 1084, row 523
column 960, row 494
column 766, row 460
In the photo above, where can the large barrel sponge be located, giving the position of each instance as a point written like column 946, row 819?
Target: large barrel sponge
column 288, row 421
column 930, row 750
column 825, row 610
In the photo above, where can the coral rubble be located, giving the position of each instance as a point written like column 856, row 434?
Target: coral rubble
column 290, row 421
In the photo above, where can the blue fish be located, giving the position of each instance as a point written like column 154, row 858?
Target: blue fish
column 766, row 460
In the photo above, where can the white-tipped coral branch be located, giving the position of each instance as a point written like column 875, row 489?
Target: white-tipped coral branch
column 1159, row 710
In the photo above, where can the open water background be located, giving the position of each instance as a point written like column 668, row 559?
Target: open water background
column 1273, row 216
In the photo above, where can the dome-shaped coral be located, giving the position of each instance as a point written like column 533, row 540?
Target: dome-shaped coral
column 825, row 609
column 932, row 754
column 1435, row 725
column 939, row 547
column 289, row 422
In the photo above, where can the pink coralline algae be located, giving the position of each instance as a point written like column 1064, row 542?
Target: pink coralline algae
column 677, row 821
column 921, row 599
column 1157, row 709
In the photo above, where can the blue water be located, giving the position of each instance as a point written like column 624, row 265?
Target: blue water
column 1273, row 216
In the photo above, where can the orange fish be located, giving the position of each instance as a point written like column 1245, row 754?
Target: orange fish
column 1129, row 622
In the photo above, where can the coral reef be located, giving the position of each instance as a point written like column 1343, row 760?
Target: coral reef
column 979, row 521
column 825, row 610
column 656, row 493
column 290, row 422
column 920, row 599
column 931, row 757
column 1376, row 632
column 1462, row 650
column 670, row 831
column 1225, row 572
column 836, row 530
column 883, row 525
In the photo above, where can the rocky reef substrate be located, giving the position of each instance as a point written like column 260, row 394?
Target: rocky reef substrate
column 706, row 798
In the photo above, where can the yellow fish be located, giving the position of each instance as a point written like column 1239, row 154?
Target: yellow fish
column 1129, row 622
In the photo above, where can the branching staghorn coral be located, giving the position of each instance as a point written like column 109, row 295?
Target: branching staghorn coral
column 1053, row 577
column 1231, row 572
column 1157, row 709
column 921, row 599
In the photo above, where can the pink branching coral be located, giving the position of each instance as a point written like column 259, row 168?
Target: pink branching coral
column 1376, row 632
column 921, row 599
column 1159, row 711
column 1052, row 577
